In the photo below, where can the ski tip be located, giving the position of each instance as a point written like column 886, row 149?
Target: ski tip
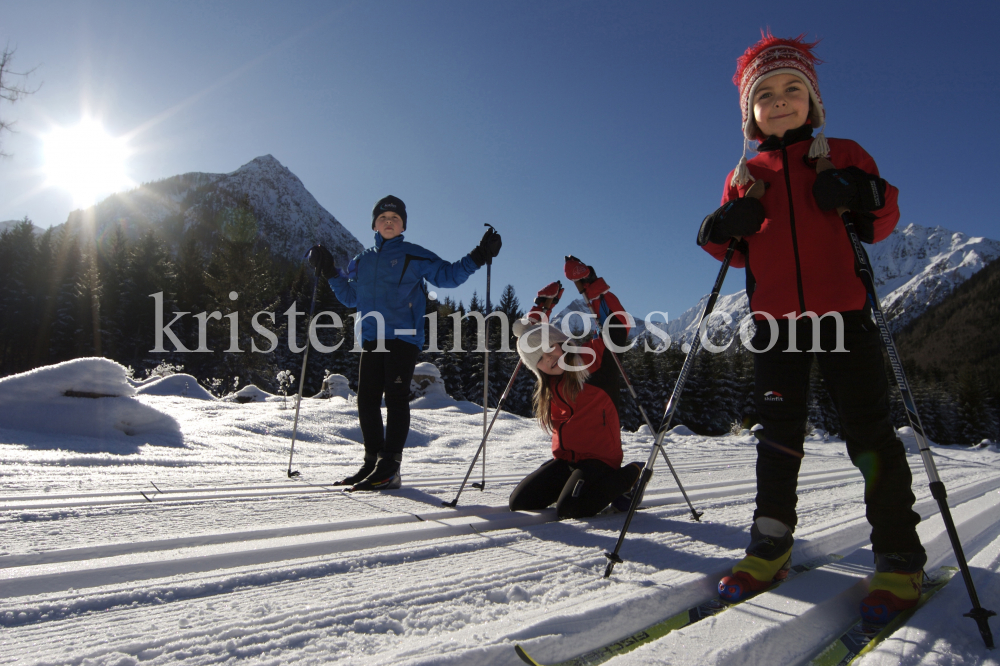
column 525, row 657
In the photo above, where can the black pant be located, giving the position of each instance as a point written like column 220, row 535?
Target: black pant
column 856, row 381
column 579, row 489
column 387, row 373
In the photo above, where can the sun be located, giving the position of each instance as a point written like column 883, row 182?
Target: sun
column 86, row 162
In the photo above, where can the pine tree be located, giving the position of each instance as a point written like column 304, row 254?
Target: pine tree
column 471, row 360
column 64, row 340
column 149, row 271
column 240, row 266
column 18, row 298
column 112, row 266
column 977, row 419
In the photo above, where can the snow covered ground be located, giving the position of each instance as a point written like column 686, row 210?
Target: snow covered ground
column 180, row 539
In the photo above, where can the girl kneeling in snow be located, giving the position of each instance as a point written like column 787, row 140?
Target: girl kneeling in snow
column 573, row 402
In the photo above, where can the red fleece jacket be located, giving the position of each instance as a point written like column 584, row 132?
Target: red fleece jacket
column 588, row 427
column 801, row 259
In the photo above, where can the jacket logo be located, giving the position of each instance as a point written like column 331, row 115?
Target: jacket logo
column 399, row 380
column 394, row 262
column 773, row 396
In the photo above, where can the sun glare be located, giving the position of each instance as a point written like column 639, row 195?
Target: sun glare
column 86, row 162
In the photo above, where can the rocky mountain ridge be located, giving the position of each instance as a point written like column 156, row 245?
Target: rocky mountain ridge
column 289, row 218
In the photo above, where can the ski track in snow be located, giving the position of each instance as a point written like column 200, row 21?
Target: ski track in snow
column 232, row 562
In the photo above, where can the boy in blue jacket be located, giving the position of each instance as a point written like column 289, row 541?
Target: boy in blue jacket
column 387, row 281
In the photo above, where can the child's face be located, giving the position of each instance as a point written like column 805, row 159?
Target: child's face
column 389, row 225
column 781, row 103
column 549, row 363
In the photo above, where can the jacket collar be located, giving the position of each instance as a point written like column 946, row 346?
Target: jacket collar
column 791, row 136
column 379, row 241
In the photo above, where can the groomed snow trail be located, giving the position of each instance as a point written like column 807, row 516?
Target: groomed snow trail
column 232, row 562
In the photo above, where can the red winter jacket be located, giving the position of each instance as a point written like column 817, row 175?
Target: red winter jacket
column 801, row 259
column 587, row 428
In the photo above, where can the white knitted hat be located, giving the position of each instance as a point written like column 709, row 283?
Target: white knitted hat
column 534, row 339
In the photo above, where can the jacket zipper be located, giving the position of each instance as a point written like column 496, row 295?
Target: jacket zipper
column 791, row 219
column 570, row 407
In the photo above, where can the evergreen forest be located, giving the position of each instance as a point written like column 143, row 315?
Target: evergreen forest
column 62, row 298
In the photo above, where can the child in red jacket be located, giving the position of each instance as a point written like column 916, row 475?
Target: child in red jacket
column 800, row 272
column 576, row 399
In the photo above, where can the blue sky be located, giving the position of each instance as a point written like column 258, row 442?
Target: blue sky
column 599, row 129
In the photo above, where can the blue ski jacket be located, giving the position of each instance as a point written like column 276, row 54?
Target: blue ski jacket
column 389, row 279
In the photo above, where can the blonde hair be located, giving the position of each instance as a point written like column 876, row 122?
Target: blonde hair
column 571, row 382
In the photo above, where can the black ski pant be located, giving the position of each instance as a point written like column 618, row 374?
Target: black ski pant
column 385, row 373
column 579, row 489
column 857, row 383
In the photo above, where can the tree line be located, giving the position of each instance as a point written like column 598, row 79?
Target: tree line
column 64, row 295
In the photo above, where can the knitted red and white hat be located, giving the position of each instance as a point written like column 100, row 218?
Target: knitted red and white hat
column 769, row 57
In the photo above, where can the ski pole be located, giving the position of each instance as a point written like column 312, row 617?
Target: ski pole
column 938, row 491
column 755, row 191
column 302, row 378
column 696, row 515
column 546, row 310
column 486, row 363
column 482, row 445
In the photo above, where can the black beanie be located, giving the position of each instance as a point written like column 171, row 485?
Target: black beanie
column 392, row 204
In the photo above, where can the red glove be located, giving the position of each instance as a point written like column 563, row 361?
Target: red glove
column 546, row 299
column 576, row 270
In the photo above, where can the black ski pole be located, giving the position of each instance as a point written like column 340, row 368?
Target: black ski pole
column 938, row 491
column 486, row 363
column 696, row 515
column 302, row 378
column 482, row 445
column 755, row 191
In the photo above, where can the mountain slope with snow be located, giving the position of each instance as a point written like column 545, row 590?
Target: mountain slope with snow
column 289, row 218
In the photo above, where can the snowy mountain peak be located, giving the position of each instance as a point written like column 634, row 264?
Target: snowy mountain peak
column 289, row 218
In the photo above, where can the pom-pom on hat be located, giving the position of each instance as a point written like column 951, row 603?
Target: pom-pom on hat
column 391, row 204
column 534, row 339
column 769, row 57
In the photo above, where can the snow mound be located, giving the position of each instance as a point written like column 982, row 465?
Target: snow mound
column 335, row 386
column 250, row 393
column 680, row 430
column 426, row 388
column 97, row 376
column 183, row 386
column 83, row 398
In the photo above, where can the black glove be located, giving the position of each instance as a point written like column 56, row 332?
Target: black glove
column 488, row 247
column 849, row 188
column 740, row 217
column 864, row 224
column 320, row 258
